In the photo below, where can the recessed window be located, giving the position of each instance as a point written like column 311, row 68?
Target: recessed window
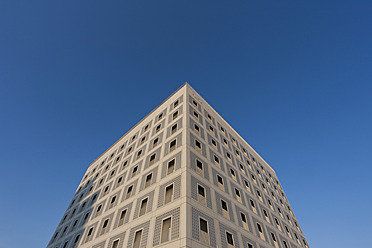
column 146, row 127
column 175, row 104
column 165, row 230
column 195, row 103
column 134, row 172
column 112, row 203
column 134, row 137
column 120, row 181
column 201, row 195
column 152, row 159
column 104, row 227
column 224, row 205
column 258, row 193
column 216, row 161
column 115, row 244
column 172, row 145
column 170, row 168
column 211, row 129
column 260, row 231
column 143, row 140
column 285, row 244
column 214, row 143
column 175, row 115
column 203, row 225
column 273, row 237
column 122, row 217
column 242, row 169
column 229, row 238
column 196, row 115
column 209, row 117
column 204, row 236
column 139, row 153
column 129, row 192
column 174, row 128
column 158, row 128
column 266, row 215
column 220, row 183
column 74, row 225
column 65, row 245
column 99, row 210
column 129, row 150
column 76, row 241
column 198, row 145
column 89, row 235
column 259, row 228
column 197, row 128
column 222, row 129
column 244, row 221
column 64, row 231
column 160, row 116
column 148, row 180
column 168, row 194
column 228, row 156
column 155, row 142
column 137, row 239
column 199, row 167
column 247, row 185
column 253, row 206
column 143, row 207
column 125, row 164
column 85, row 218
column 201, row 191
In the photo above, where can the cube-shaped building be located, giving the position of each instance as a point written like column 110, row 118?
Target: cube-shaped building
column 181, row 177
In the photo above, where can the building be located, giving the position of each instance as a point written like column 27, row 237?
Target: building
column 181, row 177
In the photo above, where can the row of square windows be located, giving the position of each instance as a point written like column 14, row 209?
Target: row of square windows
column 138, row 155
column 199, row 131
column 174, row 127
column 199, row 165
column 243, row 170
column 199, row 147
column 201, row 198
column 169, row 224
column 204, row 233
column 201, row 169
column 148, row 179
column 145, row 205
column 238, row 155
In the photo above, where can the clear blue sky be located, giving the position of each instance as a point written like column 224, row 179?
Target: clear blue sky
column 294, row 78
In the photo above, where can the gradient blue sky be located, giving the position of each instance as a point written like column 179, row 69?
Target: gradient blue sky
column 294, row 78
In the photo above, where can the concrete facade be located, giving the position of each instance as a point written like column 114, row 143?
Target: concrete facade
column 182, row 177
